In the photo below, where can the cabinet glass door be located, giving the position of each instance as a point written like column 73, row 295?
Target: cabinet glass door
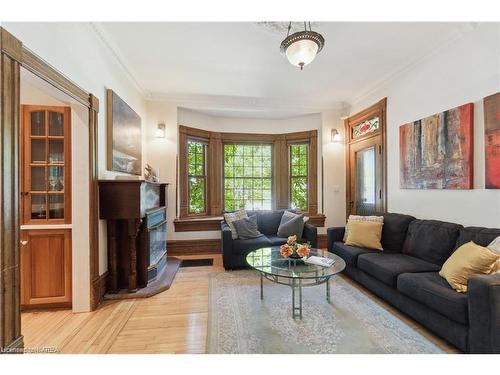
column 46, row 147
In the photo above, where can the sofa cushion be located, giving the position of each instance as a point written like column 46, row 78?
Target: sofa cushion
column 364, row 234
column 394, row 231
column 433, row 291
column 431, row 240
column 387, row 267
column 350, row 253
column 276, row 241
column 247, row 228
column 246, row 246
column 291, row 227
column 468, row 260
column 479, row 235
column 269, row 221
column 230, row 217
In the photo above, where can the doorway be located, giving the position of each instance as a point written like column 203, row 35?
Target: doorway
column 13, row 56
column 366, row 161
column 54, row 134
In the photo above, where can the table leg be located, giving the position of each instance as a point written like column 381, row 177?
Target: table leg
column 296, row 307
column 300, row 299
column 328, row 290
column 261, row 286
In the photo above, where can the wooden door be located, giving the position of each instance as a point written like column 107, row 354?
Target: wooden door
column 365, row 182
column 366, row 161
column 46, row 268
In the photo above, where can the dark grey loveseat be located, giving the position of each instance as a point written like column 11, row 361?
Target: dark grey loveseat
column 234, row 252
column 406, row 275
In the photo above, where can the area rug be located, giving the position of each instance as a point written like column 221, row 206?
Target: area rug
column 240, row 322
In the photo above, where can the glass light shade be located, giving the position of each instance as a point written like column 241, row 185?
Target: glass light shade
column 302, row 52
column 160, row 131
column 335, row 136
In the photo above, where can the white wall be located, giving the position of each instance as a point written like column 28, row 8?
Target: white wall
column 77, row 51
column 463, row 71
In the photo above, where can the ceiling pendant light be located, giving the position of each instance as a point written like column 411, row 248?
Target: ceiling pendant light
column 302, row 47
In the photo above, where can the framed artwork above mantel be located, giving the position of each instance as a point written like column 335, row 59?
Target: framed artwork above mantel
column 124, row 136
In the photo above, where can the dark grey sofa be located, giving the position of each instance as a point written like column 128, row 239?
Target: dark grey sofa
column 406, row 275
column 234, row 252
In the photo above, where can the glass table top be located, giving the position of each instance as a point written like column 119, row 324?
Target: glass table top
column 269, row 261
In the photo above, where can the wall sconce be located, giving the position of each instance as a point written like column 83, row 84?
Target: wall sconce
column 160, row 131
column 335, row 136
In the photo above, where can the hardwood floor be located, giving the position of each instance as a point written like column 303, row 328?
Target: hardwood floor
column 174, row 321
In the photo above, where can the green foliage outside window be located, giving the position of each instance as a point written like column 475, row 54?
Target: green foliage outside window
column 196, row 177
column 299, row 176
column 247, row 177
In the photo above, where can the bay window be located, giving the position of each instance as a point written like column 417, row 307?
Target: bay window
column 222, row 172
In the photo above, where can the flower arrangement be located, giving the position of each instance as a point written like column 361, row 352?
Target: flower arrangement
column 293, row 248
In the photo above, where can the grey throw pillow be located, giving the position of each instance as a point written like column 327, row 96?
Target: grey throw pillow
column 290, row 226
column 247, row 228
column 230, row 217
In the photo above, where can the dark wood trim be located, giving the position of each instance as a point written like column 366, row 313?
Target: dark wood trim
column 215, row 175
column 322, row 241
column 313, row 174
column 10, row 301
column 281, row 182
column 193, row 247
column 317, row 220
column 197, row 224
column 99, row 289
column 44, row 70
column 378, row 109
column 95, row 294
column 211, row 223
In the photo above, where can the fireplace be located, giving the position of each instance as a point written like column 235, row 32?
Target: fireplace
column 155, row 242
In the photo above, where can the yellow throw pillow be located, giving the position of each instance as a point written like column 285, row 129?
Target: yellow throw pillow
column 468, row 260
column 378, row 219
column 364, row 234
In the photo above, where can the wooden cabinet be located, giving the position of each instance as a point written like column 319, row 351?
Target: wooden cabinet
column 46, row 200
column 46, row 160
column 46, row 268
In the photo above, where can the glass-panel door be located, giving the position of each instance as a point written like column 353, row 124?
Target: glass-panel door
column 366, row 181
column 46, row 133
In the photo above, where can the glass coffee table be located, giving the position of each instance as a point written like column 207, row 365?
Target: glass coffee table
column 293, row 272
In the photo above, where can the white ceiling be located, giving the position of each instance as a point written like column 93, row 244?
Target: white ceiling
column 236, row 69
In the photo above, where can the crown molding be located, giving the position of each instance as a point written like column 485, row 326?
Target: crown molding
column 398, row 73
column 245, row 103
column 107, row 42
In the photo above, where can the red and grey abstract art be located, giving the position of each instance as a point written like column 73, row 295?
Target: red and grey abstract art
column 492, row 140
column 437, row 151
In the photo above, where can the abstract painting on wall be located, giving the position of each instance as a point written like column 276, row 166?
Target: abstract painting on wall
column 437, row 151
column 124, row 136
column 492, row 140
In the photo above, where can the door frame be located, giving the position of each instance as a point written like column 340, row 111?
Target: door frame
column 378, row 109
column 14, row 55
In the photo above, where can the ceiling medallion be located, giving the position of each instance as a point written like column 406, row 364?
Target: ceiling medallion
column 302, row 47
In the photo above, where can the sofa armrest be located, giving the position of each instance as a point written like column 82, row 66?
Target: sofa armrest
column 227, row 242
column 310, row 234
column 334, row 234
column 484, row 313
